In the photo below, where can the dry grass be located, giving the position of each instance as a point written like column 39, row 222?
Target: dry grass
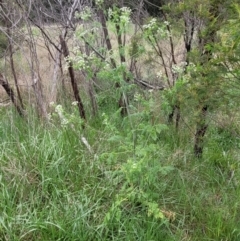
column 25, row 58
column 149, row 63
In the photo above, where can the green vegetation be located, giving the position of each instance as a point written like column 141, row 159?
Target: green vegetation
column 155, row 163
column 3, row 43
column 139, row 181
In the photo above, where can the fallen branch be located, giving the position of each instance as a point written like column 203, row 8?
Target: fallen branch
column 147, row 85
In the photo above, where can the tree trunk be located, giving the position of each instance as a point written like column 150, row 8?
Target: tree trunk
column 41, row 105
column 10, row 93
column 73, row 80
column 10, row 40
column 178, row 116
column 175, row 112
column 55, row 79
column 36, row 77
column 106, row 35
column 200, row 132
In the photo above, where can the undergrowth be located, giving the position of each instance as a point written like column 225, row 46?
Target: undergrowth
column 134, row 179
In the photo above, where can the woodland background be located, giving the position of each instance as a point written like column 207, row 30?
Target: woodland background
column 119, row 120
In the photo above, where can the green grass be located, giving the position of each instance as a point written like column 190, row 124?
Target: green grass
column 140, row 183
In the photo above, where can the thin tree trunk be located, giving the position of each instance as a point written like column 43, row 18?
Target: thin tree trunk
column 171, row 115
column 15, row 77
column 178, row 116
column 54, row 86
column 13, row 67
column 123, row 101
column 200, row 132
column 73, row 80
column 175, row 112
column 10, row 93
column 106, row 35
column 36, row 77
column 37, row 87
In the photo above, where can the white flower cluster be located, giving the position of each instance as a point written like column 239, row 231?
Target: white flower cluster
column 59, row 110
column 163, row 32
column 159, row 74
column 83, row 61
column 166, row 23
column 75, row 103
column 51, row 103
column 154, row 28
column 126, row 10
column 85, row 14
column 99, row 2
column 76, row 50
column 110, row 13
column 125, row 15
column 192, row 67
column 105, row 120
column 106, row 66
column 80, row 62
column 151, row 25
column 177, row 69
column 137, row 97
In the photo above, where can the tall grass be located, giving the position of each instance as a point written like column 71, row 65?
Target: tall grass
column 140, row 182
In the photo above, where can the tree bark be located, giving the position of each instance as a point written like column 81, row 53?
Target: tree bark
column 10, row 93
column 55, row 78
column 10, row 41
column 36, row 77
column 123, row 101
column 73, row 80
column 200, row 132
column 15, row 75
column 106, row 35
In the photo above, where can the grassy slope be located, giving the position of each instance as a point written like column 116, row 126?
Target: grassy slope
column 52, row 188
